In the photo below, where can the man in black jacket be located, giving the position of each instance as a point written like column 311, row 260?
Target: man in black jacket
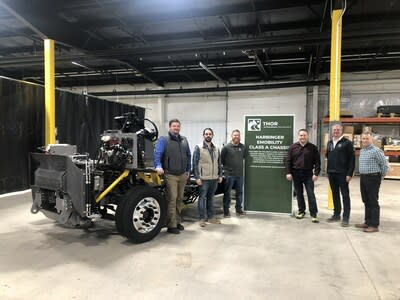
column 341, row 161
column 303, row 165
column 232, row 156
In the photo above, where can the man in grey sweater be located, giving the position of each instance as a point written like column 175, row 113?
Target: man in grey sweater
column 232, row 156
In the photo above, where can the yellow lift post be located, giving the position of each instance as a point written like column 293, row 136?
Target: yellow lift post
column 50, row 107
column 334, row 86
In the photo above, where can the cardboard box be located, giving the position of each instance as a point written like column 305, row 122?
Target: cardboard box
column 348, row 129
column 357, row 141
column 394, row 171
column 346, row 113
column 348, row 136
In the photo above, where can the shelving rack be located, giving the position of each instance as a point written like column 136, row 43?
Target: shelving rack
column 372, row 121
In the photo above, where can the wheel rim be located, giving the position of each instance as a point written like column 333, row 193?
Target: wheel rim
column 146, row 215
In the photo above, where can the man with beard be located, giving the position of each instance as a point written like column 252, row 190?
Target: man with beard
column 172, row 159
column 207, row 170
column 232, row 156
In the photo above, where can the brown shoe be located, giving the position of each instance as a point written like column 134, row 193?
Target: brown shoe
column 214, row 221
column 202, row 223
column 361, row 225
column 371, row 229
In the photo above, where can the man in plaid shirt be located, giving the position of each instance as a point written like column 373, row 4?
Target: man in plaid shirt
column 373, row 168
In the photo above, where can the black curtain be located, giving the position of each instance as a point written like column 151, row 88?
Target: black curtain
column 21, row 131
column 80, row 120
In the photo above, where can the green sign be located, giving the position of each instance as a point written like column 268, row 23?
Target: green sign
column 267, row 140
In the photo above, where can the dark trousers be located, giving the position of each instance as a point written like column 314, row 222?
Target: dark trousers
column 300, row 178
column 339, row 185
column 231, row 181
column 369, row 186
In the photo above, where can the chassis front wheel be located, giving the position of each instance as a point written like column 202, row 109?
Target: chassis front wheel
column 143, row 214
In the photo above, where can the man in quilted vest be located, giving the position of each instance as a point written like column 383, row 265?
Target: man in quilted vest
column 172, row 159
column 207, row 170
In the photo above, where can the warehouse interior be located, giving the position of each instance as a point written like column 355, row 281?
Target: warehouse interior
column 209, row 64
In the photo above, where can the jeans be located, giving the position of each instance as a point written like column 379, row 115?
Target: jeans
column 338, row 183
column 231, row 181
column 206, row 199
column 300, row 178
column 369, row 186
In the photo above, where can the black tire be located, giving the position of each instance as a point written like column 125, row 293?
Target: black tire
column 119, row 221
column 143, row 214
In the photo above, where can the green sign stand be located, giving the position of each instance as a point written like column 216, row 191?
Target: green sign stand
column 267, row 140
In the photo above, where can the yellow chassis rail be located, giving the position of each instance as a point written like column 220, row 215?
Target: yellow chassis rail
column 112, row 185
column 148, row 178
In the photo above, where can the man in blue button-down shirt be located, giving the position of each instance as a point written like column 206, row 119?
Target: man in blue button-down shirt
column 373, row 168
column 172, row 159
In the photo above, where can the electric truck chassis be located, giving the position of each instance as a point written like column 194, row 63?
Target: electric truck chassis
column 120, row 183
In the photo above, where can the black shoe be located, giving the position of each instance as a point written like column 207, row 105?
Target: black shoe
column 240, row 213
column 345, row 223
column 227, row 215
column 334, row 218
column 173, row 230
column 180, row 227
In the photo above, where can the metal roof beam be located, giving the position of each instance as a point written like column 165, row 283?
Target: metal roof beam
column 198, row 12
column 143, row 74
column 213, row 74
column 38, row 17
column 213, row 89
column 260, row 65
column 254, row 44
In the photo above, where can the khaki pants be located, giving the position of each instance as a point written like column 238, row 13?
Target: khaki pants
column 175, row 189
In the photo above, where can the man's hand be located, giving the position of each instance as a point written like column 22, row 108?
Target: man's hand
column 314, row 178
column 199, row 182
column 348, row 178
column 187, row 175
column 220, row 179
column 289, row 177
column 160, row 171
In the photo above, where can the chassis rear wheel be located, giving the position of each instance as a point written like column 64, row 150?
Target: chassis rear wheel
column 143, row 214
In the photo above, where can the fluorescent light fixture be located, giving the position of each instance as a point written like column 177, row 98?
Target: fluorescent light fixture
column 79, row 65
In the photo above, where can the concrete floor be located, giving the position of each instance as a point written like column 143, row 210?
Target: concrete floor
column 255, row 257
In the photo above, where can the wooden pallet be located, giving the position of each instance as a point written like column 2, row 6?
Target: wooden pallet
column 392, row 177
column 391, row 147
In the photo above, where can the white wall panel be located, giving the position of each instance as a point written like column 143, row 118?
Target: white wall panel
column 198, row 111
column 195, row 108
column 194, row 132
column 195, row 114
column 280, row 101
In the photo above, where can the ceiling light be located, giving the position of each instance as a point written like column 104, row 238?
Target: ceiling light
column 79, row 65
